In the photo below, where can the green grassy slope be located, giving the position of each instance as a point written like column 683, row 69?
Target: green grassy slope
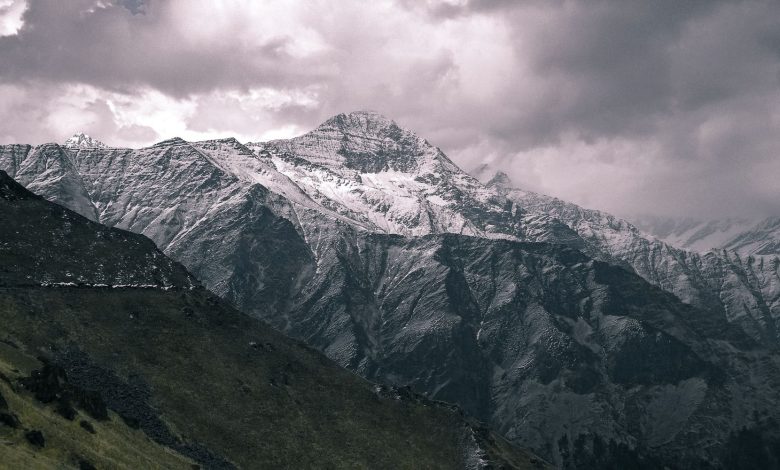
column 77, row 442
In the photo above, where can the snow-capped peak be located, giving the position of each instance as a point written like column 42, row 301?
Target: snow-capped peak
column 362, row 142
column 359, row 126
column 83, row 141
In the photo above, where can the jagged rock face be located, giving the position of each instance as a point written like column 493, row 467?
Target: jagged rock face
column 373, row 144
column 367, row 242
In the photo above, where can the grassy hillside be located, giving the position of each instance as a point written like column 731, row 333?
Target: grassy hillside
column 80, row 442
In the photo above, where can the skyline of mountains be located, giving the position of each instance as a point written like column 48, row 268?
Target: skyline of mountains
column 745, row 236
column 545, row 319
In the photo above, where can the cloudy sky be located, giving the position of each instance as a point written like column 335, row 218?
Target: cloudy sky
column 661, row 107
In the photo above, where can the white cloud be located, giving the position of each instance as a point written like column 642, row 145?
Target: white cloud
column 117, row 118
column 11, row 16
column 588, row 173
column 247, row 24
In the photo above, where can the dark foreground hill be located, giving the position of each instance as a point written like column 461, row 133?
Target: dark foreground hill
column 112, row 356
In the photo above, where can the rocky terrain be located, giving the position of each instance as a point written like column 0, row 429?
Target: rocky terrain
column 567, row 329
column 112, row 356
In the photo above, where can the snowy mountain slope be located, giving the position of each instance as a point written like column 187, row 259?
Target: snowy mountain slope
column 540, row 340
column 744, row 236
column 365, row 167
column 761, row 239
column 691, row 234
column 351, row 237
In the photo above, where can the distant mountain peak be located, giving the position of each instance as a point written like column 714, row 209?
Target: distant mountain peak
column 363, row 142
column 83, row 141
column 500, row 180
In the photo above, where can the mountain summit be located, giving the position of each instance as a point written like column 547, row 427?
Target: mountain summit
column 362, row 142
column 360, row 120
column 83, row 141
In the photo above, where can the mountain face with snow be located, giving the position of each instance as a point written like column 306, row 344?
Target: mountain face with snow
column 744, row 236
column 760, row 239
column 83, row 141
column 693, row 234
column 569, row 330
column 385, row 179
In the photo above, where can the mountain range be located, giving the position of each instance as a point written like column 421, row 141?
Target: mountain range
column 568, row 330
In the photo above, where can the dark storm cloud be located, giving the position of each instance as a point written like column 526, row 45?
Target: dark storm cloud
column 698, row 80
column 612, row 62
column 631, row 106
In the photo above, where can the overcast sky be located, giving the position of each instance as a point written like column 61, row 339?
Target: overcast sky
column 666, row 107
